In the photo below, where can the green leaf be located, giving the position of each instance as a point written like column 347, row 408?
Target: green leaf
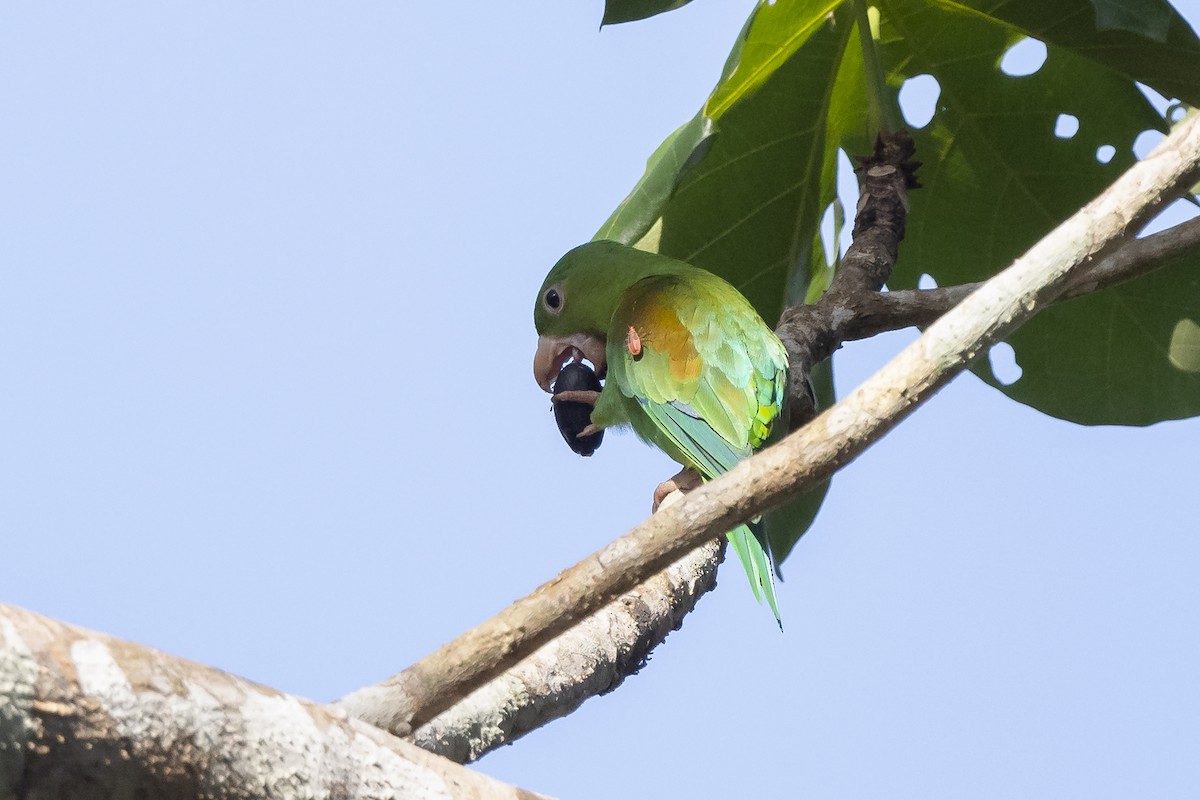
column 779, row 30
column 749, row 210
column 1149, row 18
column 1138, row 364
column 629, row 10
column 665, row 168
column 997, row 179
column 1170, row 65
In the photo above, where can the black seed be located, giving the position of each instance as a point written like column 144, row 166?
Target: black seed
column 571, row 416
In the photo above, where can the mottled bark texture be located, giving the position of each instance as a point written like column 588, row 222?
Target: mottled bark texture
column 83, row 715
column 587, row 659
column 811, row 333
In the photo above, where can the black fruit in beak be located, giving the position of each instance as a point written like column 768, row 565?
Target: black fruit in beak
column 571, row 416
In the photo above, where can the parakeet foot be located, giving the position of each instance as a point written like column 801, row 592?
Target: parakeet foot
column 683, row 481
column 576, row 396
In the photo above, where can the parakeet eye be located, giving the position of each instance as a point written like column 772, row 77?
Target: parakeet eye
column 553, row 300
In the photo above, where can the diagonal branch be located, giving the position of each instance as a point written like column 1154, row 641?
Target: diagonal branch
column 588, row 659
column 429, row 687
column 595, row 655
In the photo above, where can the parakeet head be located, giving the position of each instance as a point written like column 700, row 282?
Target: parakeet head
column 577, row 300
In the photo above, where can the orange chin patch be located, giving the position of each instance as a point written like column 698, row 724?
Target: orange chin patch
column 633, row 342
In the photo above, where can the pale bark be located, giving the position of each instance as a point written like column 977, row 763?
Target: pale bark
column 589, row 659
column 84, row 715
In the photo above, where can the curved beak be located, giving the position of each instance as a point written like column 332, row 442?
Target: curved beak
column 555, row 351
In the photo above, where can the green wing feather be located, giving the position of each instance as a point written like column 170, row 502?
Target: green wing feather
column 708, row 378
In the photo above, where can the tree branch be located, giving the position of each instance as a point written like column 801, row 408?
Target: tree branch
column 86, row 715
column 870, row 314
column 588, row 659
column 424, row 690
column 812, row 333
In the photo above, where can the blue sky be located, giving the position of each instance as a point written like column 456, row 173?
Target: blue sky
column 265, row 329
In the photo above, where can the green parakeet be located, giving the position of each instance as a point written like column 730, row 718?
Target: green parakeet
column 690, row 364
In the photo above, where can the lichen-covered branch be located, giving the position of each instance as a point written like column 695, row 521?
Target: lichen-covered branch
column 84, row 715
column 588, row 659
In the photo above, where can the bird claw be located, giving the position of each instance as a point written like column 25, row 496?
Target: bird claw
column 576, row 396
column 683, row 481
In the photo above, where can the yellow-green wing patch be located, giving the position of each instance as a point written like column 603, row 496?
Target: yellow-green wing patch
column 702, row 363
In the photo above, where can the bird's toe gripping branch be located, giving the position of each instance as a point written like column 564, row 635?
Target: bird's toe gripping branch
column 683, row 481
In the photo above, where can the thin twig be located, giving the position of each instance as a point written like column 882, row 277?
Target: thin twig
column 871, row 313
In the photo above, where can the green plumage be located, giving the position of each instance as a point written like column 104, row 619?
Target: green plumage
column 690, row 364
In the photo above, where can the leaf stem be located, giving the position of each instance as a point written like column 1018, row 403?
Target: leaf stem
column 884, row 115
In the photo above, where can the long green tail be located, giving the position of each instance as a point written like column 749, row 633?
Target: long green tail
column 750, row 544
column 711, row 455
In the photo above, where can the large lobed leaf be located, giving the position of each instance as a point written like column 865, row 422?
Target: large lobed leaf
column 1156, row 314
column 1167, row 60
column 997, row 178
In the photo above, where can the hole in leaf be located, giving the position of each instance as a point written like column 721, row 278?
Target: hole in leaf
column 1146, row 141
column 1004, row 363
column 1066, row 126
column 847, row 190
column 1177, row 113
column 1184, row 350
column 829, row 234
column 1023, row 58
column 926, row 281
column 918, row 99
column 1105, row 153
column 1159, row 102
